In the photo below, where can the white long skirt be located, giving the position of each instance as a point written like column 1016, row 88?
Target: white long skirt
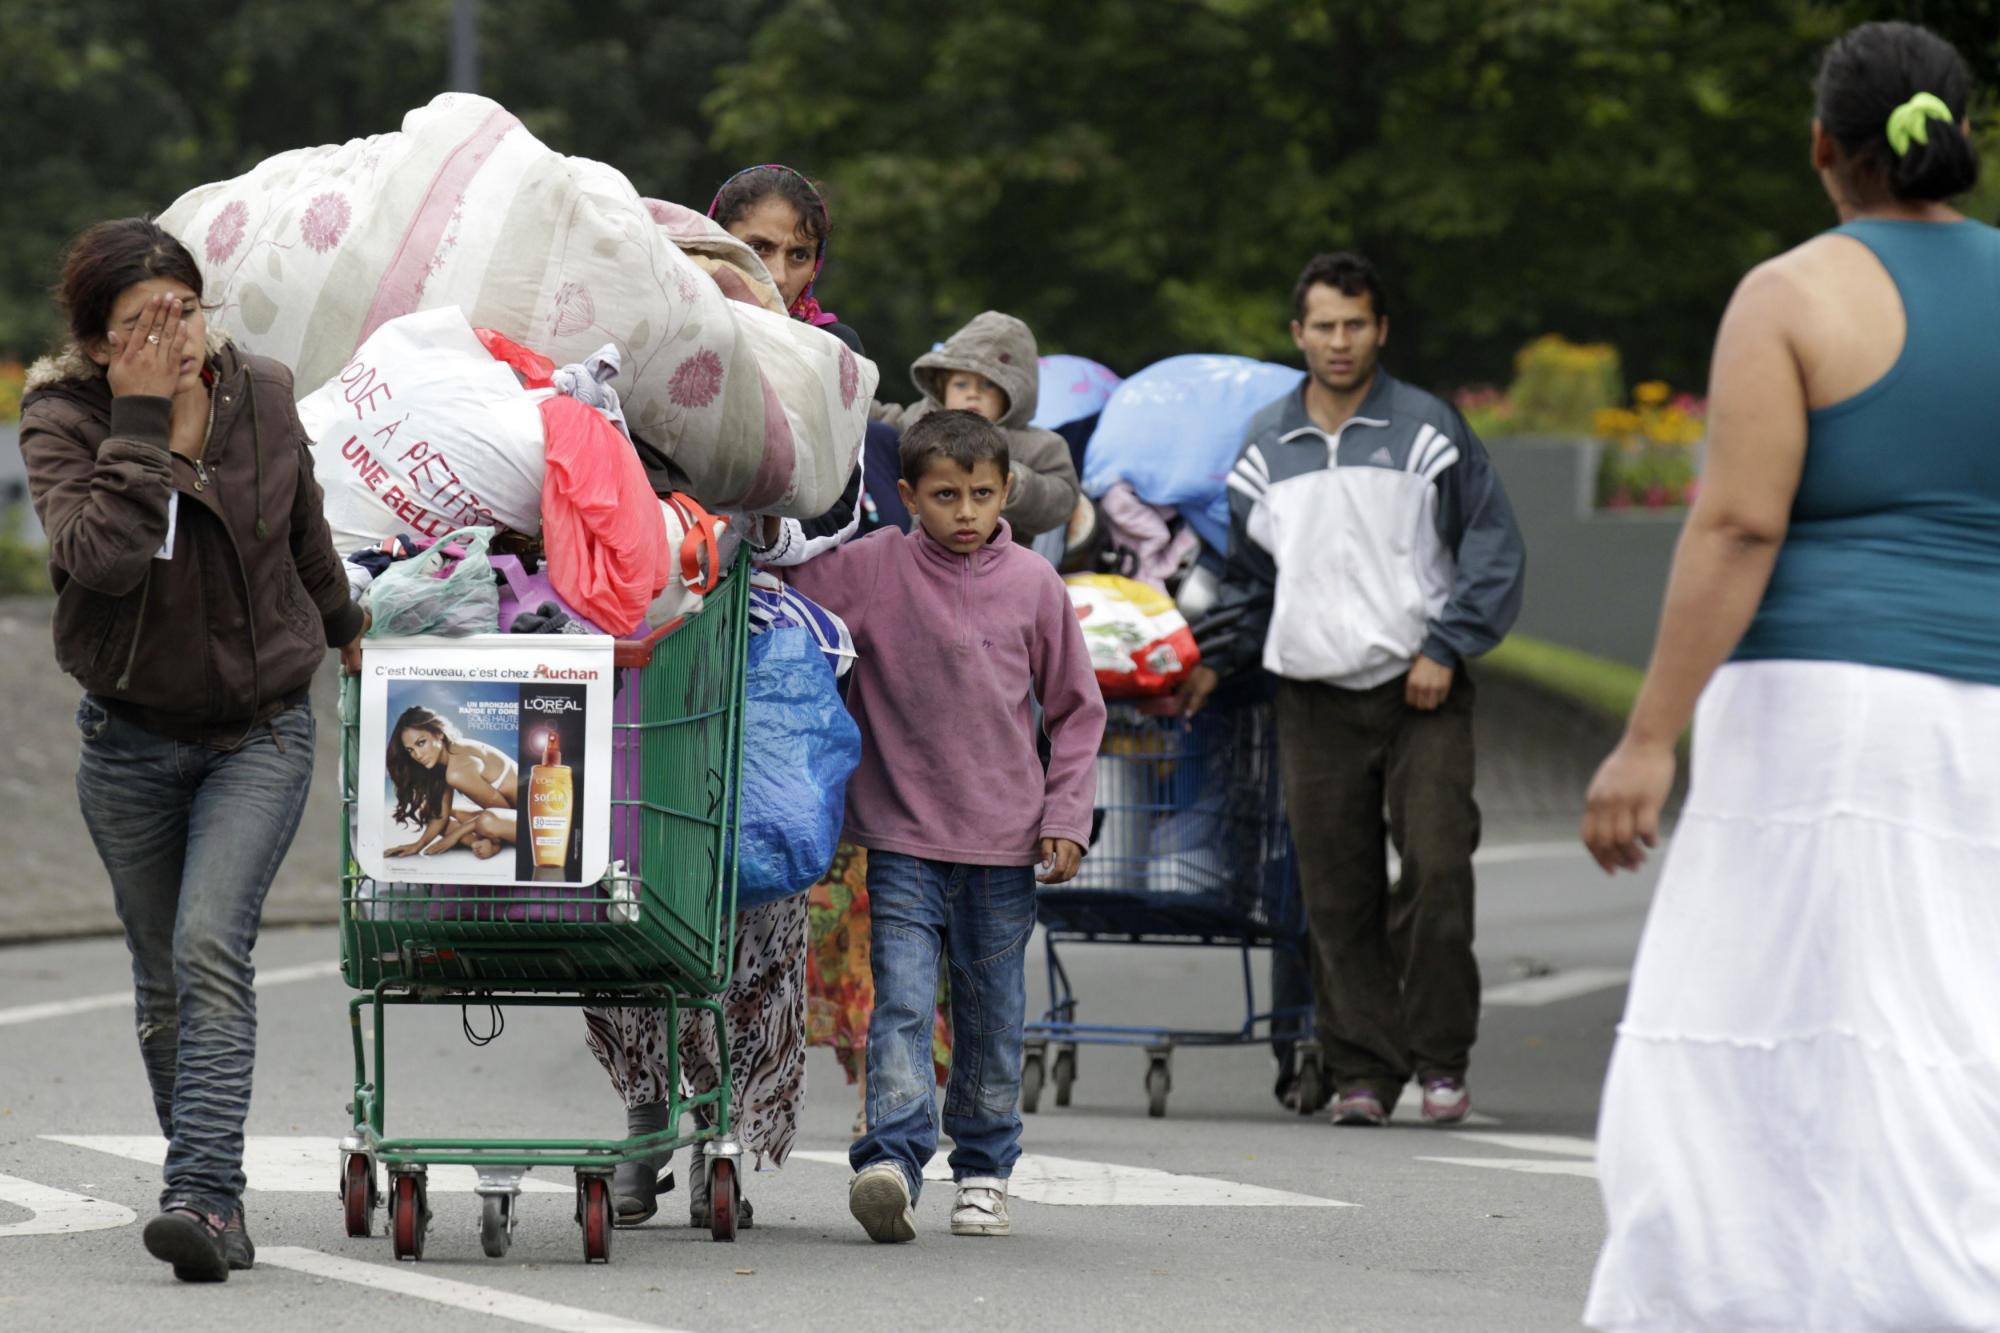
column 1801, row 1126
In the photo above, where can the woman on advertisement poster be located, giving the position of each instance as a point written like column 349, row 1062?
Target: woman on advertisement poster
column 432, row 766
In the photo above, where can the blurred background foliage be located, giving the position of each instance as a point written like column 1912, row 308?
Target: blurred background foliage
column 1135, row 178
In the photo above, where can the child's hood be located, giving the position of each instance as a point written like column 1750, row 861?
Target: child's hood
column 998, row 346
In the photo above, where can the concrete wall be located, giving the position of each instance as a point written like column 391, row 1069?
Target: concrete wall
column 1594, row 581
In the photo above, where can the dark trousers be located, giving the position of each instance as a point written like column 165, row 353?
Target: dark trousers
column 1398, row 988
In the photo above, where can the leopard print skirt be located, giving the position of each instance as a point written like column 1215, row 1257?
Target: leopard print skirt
column 765, row 1011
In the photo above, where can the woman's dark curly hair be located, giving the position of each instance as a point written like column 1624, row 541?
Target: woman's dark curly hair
column 422, row 794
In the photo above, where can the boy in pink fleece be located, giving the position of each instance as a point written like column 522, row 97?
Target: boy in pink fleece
column 958, row 632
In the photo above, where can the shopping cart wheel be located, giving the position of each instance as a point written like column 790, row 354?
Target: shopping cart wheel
column 357, row 1193
column 722, row 1199
column 1310, row 1088
column 409, row 1214
column 1031, row 1083
column 496, row 1224
column 593, row 1206
column 1065, row 1073
column 1157, row 1083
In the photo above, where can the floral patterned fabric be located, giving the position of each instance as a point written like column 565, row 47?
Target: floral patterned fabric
column 840, row 986
column 764, row 1007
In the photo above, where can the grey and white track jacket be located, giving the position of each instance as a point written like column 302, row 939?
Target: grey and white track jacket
column 1352, row 552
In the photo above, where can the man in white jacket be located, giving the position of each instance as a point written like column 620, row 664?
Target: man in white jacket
column 1372, row 552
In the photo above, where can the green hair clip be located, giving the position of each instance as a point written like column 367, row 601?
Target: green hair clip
column 1910, row 122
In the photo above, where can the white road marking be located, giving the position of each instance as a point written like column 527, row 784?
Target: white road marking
column 1564, row 1151
column 1560, row 1145
column 1530, row 991
column 1063, row 1180
column 1534, row 1166
column 30, row 1013
column 58, row 1212
column 277, row 1164
column 405, row 1280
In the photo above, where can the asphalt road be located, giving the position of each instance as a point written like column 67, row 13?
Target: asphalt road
column 1226, row 1213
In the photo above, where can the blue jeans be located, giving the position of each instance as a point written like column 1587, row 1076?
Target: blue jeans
column 980, row 918
column 192, row 837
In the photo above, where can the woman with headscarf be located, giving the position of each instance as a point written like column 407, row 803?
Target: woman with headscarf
column 782, row 217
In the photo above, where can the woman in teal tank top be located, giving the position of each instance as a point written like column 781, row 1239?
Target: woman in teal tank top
column 1801, row 1125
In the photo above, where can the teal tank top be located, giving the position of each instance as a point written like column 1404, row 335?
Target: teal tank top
column 1893, row 554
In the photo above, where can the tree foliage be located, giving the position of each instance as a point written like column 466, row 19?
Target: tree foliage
column 1135, row 178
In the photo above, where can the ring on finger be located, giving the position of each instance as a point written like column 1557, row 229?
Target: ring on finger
column 152, row 337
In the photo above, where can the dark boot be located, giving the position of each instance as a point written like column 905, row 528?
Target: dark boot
column 637, row 1185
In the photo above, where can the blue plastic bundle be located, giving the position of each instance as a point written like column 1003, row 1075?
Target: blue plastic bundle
column 1173, row 431
column 799, row 749
column 1070, row 388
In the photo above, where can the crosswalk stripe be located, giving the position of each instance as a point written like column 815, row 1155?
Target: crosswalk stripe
column 293, row 1164
column 1066, row 1181
column 404, row 1280
column 55, row 1212
column 1535, row 1166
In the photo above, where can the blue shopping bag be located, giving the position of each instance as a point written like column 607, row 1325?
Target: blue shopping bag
column 799, row 749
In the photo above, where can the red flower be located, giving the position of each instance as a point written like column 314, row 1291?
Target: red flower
column 226, row 232
column 1656, row 496
column 573, row 309
column 325, row 221
column 696, row 380
column 850, row 378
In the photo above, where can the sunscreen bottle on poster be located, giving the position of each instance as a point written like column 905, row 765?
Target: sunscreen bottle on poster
column 550, row 810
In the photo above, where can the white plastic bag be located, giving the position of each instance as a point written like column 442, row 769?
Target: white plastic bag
column 423, row 432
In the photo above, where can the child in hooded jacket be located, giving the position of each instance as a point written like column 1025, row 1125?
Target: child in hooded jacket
column 991, row 367
column 959, row 631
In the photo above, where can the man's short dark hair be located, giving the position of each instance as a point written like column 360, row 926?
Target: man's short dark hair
column 966, row 438
column 1345, row 272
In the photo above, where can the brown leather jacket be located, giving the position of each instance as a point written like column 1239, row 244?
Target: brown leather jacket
column 209, row 629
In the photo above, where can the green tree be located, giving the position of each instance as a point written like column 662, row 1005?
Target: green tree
column 1138, row 177
column 118, row 106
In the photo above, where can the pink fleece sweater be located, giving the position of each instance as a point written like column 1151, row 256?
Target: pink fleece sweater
column 952, row 651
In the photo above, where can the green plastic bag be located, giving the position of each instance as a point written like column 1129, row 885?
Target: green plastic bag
column 409, row 598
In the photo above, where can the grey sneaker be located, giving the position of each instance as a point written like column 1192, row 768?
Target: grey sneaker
column 982, row 1207
column 879, row 1198
column 190, row 1240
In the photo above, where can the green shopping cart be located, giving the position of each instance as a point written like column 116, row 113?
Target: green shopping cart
column 656, row 932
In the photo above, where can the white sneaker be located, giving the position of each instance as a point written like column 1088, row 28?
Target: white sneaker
column 981, row 1209
column 879, row 1198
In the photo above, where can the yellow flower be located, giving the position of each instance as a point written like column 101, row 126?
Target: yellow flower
column 1615, row 421
column 1652, row 392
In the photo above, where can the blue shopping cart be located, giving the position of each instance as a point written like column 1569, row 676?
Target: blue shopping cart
column 1191, row 847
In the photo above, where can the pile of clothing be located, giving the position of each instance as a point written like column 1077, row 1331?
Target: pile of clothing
column 447, row 444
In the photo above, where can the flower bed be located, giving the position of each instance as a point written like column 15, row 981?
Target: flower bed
column 1651, row 451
